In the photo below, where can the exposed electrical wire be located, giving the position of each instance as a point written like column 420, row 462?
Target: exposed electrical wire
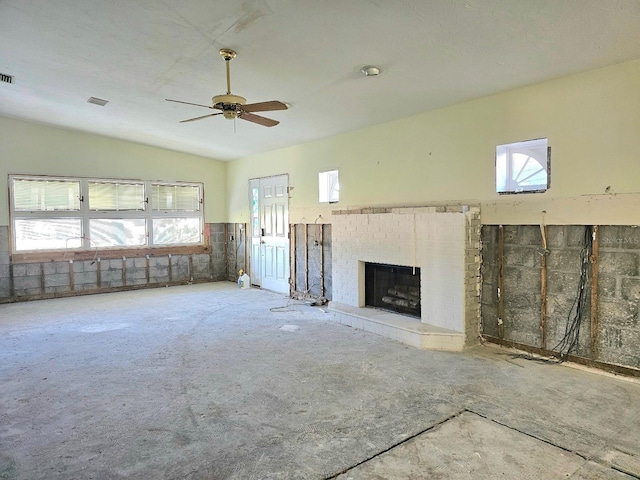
column 571, row 338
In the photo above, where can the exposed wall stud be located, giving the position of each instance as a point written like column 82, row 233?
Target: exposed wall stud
column 543, row 289
column 306, row 258
column 501, row 281
column 595, row 333
column 170, row 269
column 226, row 251
column 71, row 281
column 292, row 259
column 321, row 259
column 147, row 273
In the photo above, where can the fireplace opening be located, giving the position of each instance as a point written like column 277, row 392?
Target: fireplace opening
column 393, row 287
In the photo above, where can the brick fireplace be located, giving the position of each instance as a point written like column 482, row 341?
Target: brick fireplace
column 442, row 242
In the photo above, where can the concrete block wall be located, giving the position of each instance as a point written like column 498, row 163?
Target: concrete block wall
column 218, row 244
column 312, row 260
column 617, row 338
column 236, row 258
column 24, row 281
column 619, row 295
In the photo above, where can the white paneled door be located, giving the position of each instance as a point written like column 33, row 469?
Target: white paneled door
column 269, row 201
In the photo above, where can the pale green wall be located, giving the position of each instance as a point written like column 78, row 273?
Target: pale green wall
column 29, row 148
column 592, row 121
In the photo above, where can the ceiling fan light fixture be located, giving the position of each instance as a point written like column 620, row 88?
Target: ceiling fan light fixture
column 370, row 71
column 230, row 114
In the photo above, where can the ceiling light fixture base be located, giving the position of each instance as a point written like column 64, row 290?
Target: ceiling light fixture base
column 370, row 71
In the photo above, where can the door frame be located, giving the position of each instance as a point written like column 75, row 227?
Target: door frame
column 254, row 264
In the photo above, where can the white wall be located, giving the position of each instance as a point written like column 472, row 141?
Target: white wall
column 592, row 121
column 29, row 148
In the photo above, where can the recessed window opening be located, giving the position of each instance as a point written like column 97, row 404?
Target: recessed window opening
column 58, row 213
column 328, row 187
column 523, row 167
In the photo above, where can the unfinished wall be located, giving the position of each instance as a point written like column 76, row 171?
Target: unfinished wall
column 106, row 271
column 539, row 288
column 236, row 248
column 311, row 270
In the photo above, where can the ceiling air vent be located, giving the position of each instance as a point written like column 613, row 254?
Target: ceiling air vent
column 4, row 78
column 97, row 101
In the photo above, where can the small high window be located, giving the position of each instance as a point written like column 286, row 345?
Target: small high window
column 328, row 187
column 523, row 167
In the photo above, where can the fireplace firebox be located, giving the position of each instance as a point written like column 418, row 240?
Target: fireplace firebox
column 393, row 287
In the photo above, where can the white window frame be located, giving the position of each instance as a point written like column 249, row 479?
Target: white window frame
column 148, row 213
column 505, row 183
column 327, row 194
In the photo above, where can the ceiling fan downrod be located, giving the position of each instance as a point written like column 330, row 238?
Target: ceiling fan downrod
column 228, row 55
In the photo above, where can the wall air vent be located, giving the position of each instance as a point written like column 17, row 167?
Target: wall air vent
column 4, row 78
column 97, row 101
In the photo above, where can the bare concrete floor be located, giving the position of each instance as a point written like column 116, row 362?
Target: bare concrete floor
column 212, row 382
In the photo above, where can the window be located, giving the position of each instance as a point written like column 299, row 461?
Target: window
column 328, row 187
column 50, row 213
column 523, row 167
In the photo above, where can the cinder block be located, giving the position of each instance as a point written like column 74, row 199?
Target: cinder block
column 618, row 263
column 619, row 313
column 556, row 236
column 24, row 283
column 115, row 263
column 566, row 260
column 56, row 280
column 158, row 272
column 630, row 237
column 162, row 261
column 562, row 283
column 19, row 270
column 112, row 275
column 33, row 269
column 575, row 235
column 609, row 237
column 630, row 289
column 90, row 265
column 136, row 274
column 140, row 262
column 78, row 267
column 523, row 256
column 82, row 278
column 49, row 268
column 62, row 267
column 606, row 286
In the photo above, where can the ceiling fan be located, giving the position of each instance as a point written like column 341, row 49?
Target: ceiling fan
column 234, row 106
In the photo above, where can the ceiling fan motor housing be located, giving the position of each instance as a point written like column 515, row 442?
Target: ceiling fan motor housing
column 229, row 104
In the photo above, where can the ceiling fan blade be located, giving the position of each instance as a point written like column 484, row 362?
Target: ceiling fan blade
column 264, row 106
column 200, row 118
column 250, row 117
column 188, row 103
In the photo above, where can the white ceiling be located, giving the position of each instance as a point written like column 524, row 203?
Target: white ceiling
column 308, row 53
